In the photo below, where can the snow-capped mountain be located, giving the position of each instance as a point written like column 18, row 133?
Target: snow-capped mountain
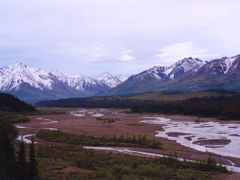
column 224, row 65
column 183, row 66
column 33, row 84
column 187, row 74
column 109, row 79
column 78, row 82
column 173, row 71
column 12, row 76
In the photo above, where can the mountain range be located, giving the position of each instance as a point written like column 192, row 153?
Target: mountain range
column 33, row 84
column 186, row 75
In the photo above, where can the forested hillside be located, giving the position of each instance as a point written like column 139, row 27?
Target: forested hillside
column 12, row 110
column 9, row 103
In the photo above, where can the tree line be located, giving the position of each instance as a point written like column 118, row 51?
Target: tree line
column 226, row 106
column 222, row 107
column 101, row 102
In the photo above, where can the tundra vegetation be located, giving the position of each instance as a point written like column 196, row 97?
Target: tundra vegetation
column 54, row 161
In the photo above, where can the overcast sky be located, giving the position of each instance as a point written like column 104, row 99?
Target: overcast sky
column 118, row 36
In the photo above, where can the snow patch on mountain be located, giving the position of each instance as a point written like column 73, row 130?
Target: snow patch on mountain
column 168, row 71
column 109, row 79
column 229, row 62
column 157, row 71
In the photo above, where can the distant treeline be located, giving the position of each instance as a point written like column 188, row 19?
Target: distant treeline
column 9, row 103
column 223, row 107
column 103, row 102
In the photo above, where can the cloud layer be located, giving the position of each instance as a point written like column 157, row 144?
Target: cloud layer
column 94, row 36
column 126, row 56
column 173, row 52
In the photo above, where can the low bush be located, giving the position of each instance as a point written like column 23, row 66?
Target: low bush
column 78, row 139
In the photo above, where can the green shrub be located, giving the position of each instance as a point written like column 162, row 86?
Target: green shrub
column 78, row 139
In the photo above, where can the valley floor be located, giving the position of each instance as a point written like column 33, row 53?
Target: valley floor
column 176, row 133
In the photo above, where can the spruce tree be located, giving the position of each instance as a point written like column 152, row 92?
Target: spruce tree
column 7, row 158
column 7, row 155
column 32, row 163
column 21, row 162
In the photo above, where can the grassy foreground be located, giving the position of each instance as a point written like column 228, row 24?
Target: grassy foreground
column 70, row 161
column 74, row 162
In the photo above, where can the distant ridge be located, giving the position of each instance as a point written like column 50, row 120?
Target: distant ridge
column 186, row 75
column 33, row 84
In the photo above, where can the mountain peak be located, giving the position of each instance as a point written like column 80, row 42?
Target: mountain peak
column 19, row 64
column 188, row 64
column 189, row 59
column 105, row 74
column 109, row 79
column 173, row 71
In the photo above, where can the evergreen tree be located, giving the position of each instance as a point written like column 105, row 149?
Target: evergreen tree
column 32, row 163
column 7, row 156
column 21, row 154
column 21, row 163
